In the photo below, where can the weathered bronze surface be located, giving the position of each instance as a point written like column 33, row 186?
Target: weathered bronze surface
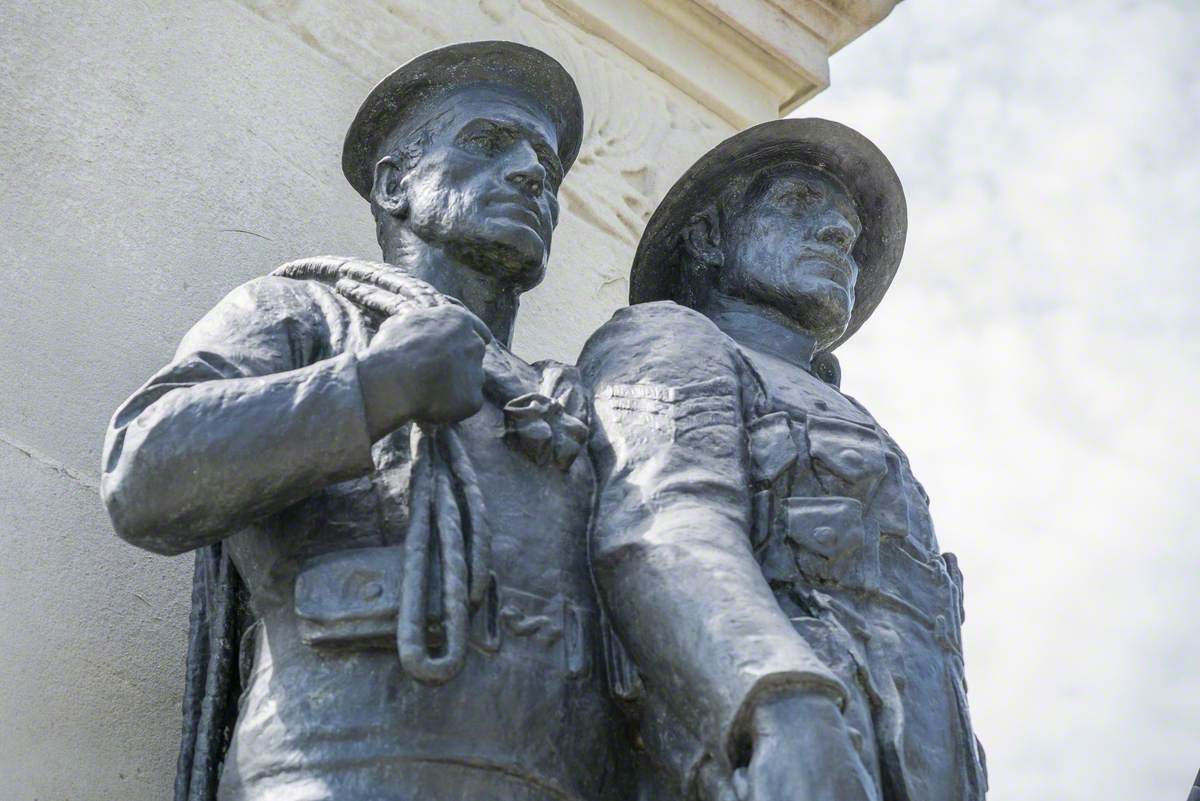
column 392, row 593
column 400, row 527
column 761, row 544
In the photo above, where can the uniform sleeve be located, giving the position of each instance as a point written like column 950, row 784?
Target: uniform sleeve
column 671, row 546
column 252, row 415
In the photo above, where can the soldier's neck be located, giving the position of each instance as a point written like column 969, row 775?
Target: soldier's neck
column 762, row 328
column 488, row 297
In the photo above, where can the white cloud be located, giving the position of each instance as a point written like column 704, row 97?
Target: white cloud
column 1038, row 358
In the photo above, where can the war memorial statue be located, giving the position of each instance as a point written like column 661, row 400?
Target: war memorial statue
column 398, row 500
column 400, row 527
column 761, row 544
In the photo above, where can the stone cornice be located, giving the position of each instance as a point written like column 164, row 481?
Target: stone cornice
column 747, row 60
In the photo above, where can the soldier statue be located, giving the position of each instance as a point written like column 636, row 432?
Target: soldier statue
column 760, row 542
column 392, row 599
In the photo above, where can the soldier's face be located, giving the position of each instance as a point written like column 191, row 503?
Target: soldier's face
column 485, row 185
column 790, row 248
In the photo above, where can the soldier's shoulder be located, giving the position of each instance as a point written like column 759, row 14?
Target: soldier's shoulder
column 666, row 315
column 278, row 290
column 857, row 404
column 853, row 409
column 269, row 306
column 665, row 325
column 658, row 342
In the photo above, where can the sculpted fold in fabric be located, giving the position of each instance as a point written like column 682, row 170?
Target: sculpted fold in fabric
column 760, row 540
column 393, row 598
column 691, row 569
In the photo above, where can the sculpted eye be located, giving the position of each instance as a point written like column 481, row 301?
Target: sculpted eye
column 837, row 235
column 485, row 141
column 806, row 195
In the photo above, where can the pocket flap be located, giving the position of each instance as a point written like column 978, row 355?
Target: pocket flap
column 829, row 527
column 848, row 458
column 772, row 449
column 349, row 595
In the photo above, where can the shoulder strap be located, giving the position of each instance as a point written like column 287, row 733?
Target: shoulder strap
column 758, row 396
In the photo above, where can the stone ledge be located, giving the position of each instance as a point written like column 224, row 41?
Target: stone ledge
column 747, row 60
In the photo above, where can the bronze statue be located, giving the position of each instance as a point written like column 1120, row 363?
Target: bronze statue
column 399, row 528
column 763, row 548
column 392, row 598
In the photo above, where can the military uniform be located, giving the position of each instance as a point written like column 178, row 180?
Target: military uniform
column 264, row 393
column 418, row 616
column 742, row 502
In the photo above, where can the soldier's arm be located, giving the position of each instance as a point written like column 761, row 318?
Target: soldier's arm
column 671, row 543
column 250, row 417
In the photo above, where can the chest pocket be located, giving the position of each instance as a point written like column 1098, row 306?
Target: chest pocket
column 772, row 449
column 848, row 458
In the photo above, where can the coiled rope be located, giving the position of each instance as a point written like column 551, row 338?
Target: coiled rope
column 439, row 462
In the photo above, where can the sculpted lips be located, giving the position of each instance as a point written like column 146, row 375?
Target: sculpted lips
column 837, row 266
column 521, row 209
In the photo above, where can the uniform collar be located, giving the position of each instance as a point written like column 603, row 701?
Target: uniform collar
column 754, row 330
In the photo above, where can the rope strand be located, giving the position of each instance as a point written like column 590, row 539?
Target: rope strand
column 481, row 529
column 386, row 291
column 410, row 617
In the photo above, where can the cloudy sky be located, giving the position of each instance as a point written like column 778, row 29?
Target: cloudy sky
column 1037, row 357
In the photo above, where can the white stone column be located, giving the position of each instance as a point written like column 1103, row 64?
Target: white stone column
column 158, row 154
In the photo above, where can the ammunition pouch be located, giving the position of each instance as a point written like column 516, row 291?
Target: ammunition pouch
column 350, row 599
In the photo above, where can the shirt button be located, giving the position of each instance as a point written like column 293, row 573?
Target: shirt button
column 852, row 459
column 825, row 535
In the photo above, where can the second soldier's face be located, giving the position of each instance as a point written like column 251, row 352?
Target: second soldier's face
column 485, row 185
column 791, row 249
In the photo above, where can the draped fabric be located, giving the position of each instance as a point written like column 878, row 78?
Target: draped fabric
column 213, row 683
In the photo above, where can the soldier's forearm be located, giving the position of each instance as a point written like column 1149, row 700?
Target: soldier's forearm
column 703, row 626
column 204, row 460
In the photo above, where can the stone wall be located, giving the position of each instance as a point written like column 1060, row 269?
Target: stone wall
column 157, row 154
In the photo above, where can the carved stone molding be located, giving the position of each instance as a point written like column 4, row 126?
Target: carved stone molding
column 747, row 60
column 639, row 134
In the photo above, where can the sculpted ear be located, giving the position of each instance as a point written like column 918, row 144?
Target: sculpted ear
column 389, row 191
column 701, row 239
column 703, row 258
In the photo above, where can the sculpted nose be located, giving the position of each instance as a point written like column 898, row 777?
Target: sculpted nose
column 837, row 232
column 527, row 173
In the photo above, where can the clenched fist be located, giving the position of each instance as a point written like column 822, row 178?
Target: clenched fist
column 802, row 751
column 424, row 366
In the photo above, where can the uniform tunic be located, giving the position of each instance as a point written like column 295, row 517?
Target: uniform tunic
column 756, row 529
column 255, row 434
